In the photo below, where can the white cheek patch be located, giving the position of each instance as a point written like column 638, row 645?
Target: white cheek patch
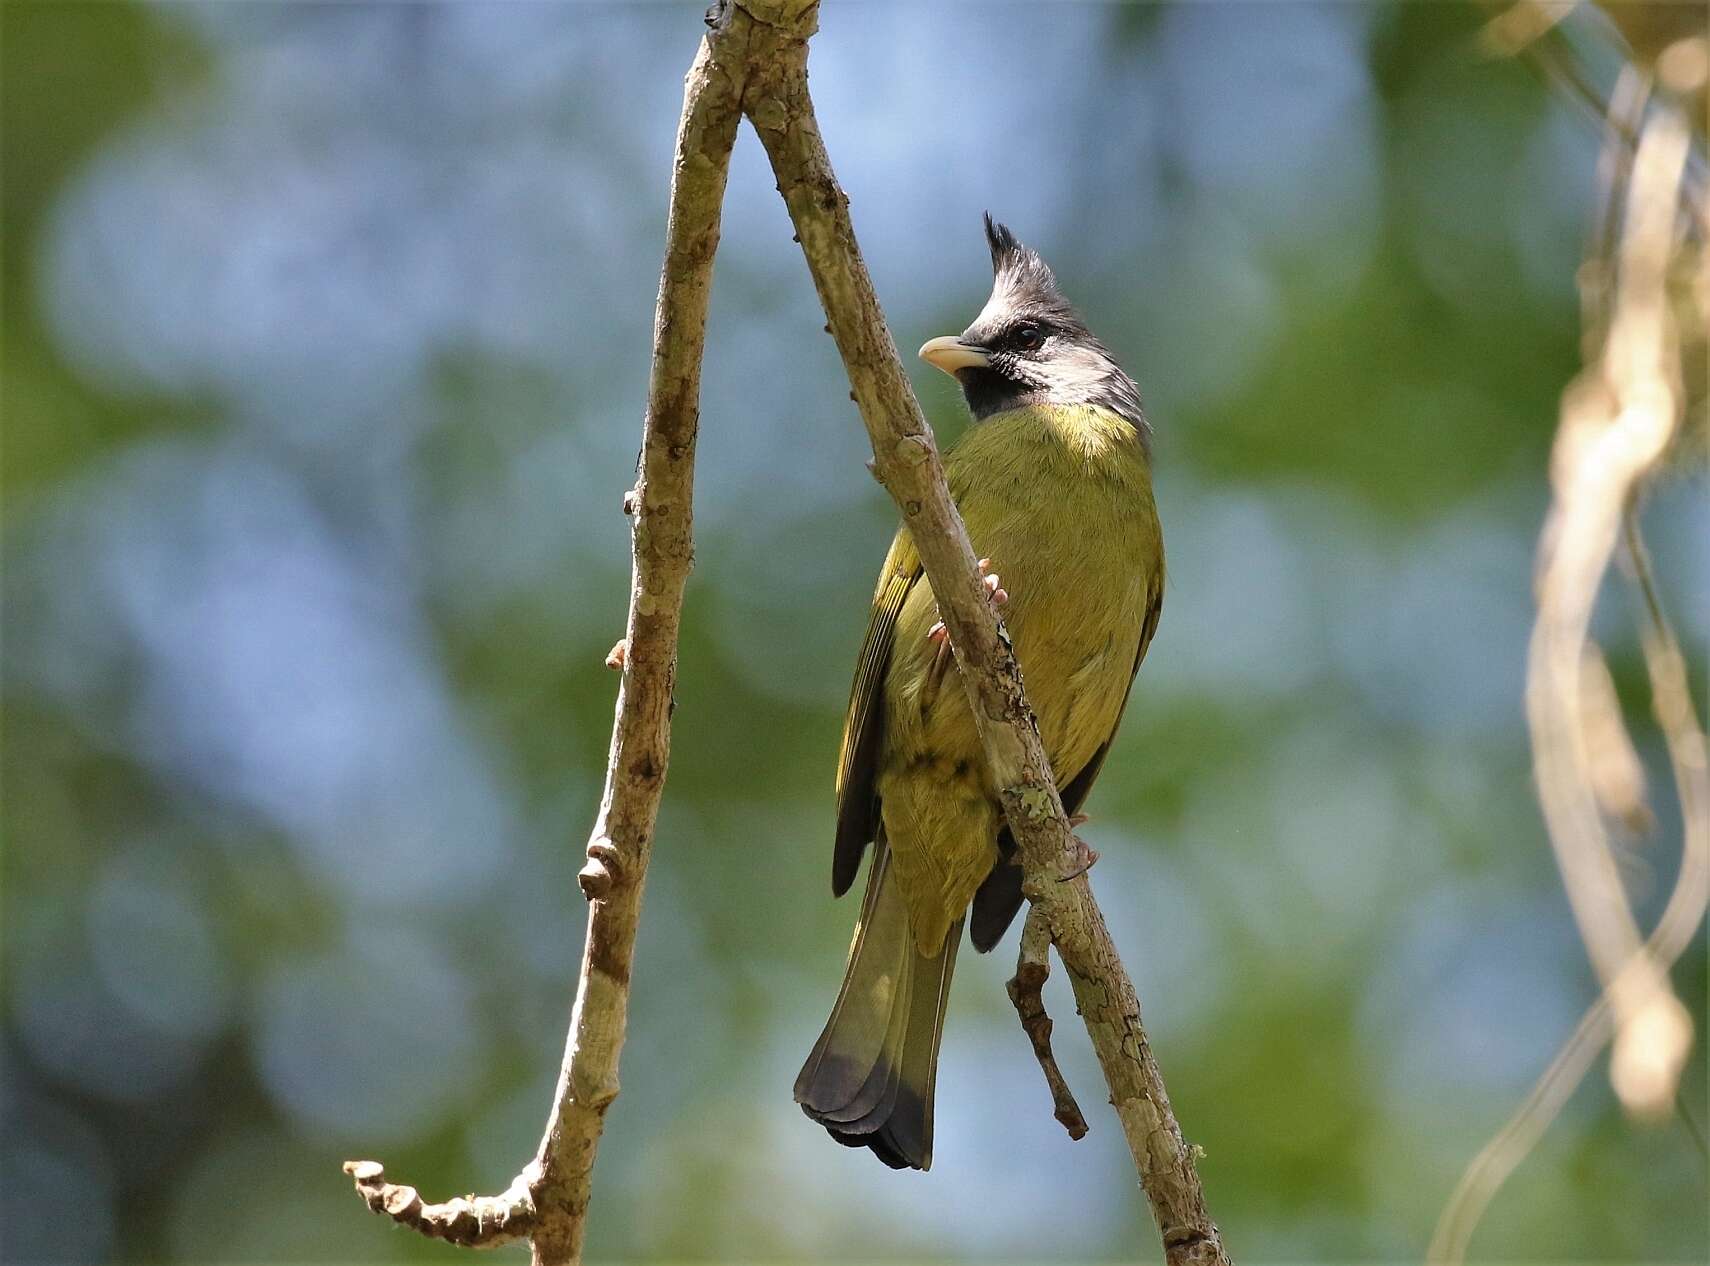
column 1068, row 373
column 1076, row 374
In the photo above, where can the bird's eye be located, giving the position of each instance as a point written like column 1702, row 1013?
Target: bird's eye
column 1028, row 337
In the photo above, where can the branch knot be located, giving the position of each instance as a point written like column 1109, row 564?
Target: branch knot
column 603, row 870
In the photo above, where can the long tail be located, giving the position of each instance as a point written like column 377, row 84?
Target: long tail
column 869, row 1079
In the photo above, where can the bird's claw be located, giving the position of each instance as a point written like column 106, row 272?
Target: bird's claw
column 1081, row 857
column 940, row 636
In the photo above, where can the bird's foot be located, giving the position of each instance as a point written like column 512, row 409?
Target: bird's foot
column 940, row 636
column 1081, row 856
column 994, row 589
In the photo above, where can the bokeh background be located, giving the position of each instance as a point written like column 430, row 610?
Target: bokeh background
column 326, row 334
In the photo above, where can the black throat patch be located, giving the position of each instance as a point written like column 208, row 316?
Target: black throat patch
column 989, row 392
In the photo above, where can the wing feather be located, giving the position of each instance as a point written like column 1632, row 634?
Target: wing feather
column 1075, row 793
column 863, row 723
column 999, row 896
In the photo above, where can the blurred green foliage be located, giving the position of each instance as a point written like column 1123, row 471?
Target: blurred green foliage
column 325, row 337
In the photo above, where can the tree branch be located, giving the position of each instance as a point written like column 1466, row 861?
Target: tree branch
column 472, row 1221
column 1618, row 421
column 548, row 1201
column 755, row 61
column 1027, row 991
column 906, row 462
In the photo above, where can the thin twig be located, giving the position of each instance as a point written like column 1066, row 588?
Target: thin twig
column 1612, row 762
column 906, row 462
column 756, row 54
column 1675, row 930
column 548, row 1201
column 1618, row 421
column 1499, row 1158
column 1521, row 24
column 1534, row 30
column 472, row 1221
column 1622, row 121
column 1027, row 991
column 1689, row 1123
column 1689, row 758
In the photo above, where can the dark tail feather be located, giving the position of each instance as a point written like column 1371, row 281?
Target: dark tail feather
column 870, row 1077
column 998, row 898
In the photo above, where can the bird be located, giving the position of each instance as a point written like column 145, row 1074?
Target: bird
column 1053, row 478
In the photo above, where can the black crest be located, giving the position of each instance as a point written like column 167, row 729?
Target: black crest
column 1070, row 365
column 1018, row 269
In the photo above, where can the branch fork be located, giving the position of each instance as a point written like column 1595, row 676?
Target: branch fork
column 1026, row 991
column 472, row 1221
column 906, row 462
column 754, row 62
column 548, row 1201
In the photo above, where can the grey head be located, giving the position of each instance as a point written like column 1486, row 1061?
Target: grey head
column 1028, row 346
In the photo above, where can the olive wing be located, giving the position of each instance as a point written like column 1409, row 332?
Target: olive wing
column 999, row 896
column 863, row 724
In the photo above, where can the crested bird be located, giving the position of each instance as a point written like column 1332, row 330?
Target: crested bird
column 1054, row 482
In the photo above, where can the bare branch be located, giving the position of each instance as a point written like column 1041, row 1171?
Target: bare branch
column 1689, row 757
column 1660, row 43
column 756, row 56
column 472, row 1221
column 1027, row 991
column 548, row 1202
column 1618, row 422
column 1671, row 700
column 906, row 462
